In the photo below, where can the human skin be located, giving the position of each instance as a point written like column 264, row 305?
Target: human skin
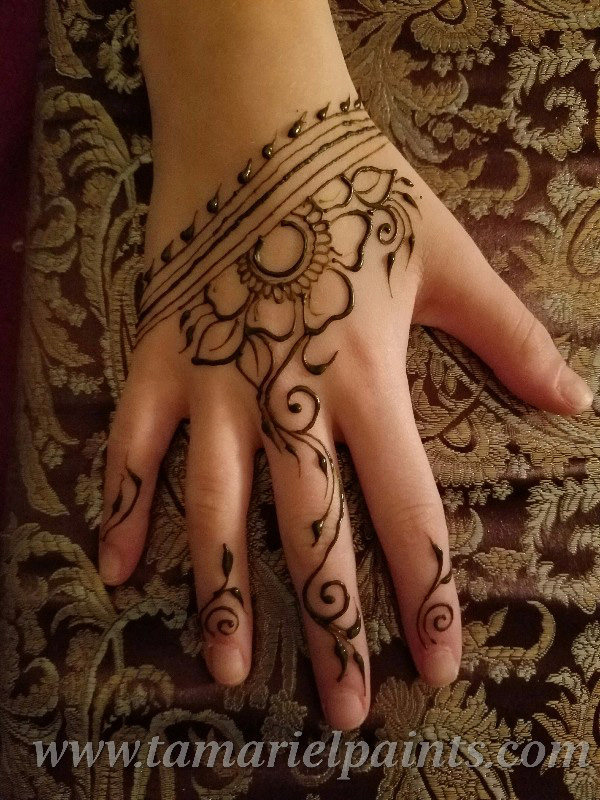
column 224, row 80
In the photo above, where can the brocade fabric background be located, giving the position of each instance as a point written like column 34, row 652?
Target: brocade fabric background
column 496, row 103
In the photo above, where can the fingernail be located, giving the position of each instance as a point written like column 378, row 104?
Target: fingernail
column 344, row 710
column 225, row 663
column 440, row 667
column 575, row 390
column 109, row 564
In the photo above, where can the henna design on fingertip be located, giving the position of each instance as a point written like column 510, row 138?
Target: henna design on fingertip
column 222, row 617
column 131, row 484
column 437, row 617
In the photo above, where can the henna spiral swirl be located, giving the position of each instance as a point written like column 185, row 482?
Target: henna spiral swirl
column 222, row 618
column 297, row 408
column 225, row 625
column 438, row 617
column 444, row 615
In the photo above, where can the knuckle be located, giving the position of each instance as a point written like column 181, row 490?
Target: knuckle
column 297, row 526
column 116, row 448
column 362, row 351
column 367, row 356
column 529, row 336
column 414, row 518
column 425, row 293
column 208, row 499
column 299, row 546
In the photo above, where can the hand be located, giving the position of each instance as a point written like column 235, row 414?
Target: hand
column 277, row 314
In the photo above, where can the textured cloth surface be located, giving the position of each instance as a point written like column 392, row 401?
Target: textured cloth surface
column 495, row 102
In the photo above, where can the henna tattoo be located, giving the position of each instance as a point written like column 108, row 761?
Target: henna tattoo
column 213, row 204
column 222, row 617
column 124, row 503
column 236, row 299
column 246, row 173
column 296, row 128
column 438, row 616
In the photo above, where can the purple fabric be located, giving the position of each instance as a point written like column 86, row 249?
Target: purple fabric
column 19, row 36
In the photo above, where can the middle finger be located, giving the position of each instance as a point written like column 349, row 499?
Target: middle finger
column 317, row 542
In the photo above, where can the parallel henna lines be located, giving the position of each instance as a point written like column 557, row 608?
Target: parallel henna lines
column 151, row 314
column 246, row 192
column 275, row 169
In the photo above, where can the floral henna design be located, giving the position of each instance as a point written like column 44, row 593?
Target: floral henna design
column 236, row 300
column 222, row 617
column 437, row 616
column 124, row 503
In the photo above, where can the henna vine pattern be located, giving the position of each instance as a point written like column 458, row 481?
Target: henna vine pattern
column 236, row 299
column 221, row 616
column 437, row 616
column 124, row 503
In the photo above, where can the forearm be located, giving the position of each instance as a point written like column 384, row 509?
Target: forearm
column 223, row 77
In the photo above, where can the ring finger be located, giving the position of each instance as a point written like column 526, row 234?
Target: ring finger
column 407, row 512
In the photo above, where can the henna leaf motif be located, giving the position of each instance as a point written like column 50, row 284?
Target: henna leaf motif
column 227, row 562
column 373, row 186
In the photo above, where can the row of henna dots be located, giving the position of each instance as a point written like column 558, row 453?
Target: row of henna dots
column 268, row 151
column 213, row 206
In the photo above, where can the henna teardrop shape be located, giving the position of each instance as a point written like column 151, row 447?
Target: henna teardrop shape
column 296, row 128
column 245, row 175
column 213, row 204
column 322, row 113
column 188, row 234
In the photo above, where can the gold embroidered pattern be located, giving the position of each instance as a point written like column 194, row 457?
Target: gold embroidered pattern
column 496, row 104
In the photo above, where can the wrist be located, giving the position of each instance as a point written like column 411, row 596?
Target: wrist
column 223, row 77
column 187, row 189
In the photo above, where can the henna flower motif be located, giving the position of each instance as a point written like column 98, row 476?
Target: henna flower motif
column 266, row 288
column 294, row 281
